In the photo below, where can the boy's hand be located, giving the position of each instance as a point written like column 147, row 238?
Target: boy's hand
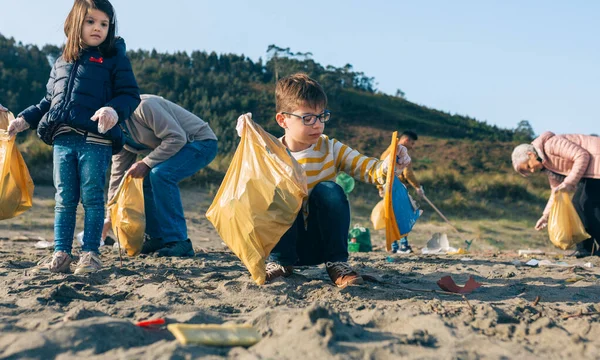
column 240, row 123
column 138, row 170
column 420, row 192
column 16, row 126
column 107, row 118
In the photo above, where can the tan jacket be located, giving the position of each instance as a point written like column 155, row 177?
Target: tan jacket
column 573, row 156
column 163, row 128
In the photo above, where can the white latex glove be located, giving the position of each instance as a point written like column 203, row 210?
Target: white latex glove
column 564, row 187
column 420, row 192
column 541, row 223
column 16, row 126
column 2, row 108
column 240, row 123
column 107, row 118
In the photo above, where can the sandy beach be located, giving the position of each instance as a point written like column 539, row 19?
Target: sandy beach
column 520, row 312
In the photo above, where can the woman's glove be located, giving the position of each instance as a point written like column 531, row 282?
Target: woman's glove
column 564, row 187
column 107, row 118
column 541, row 223
column 16, row 126
column 2, row 108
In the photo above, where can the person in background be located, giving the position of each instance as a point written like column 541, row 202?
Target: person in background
column 408, row 139
column 175, row 144
column 572, row 164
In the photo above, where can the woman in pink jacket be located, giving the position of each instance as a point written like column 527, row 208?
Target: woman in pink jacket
column 572, row 163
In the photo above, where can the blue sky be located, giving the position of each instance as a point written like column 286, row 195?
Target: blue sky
column 496, row 61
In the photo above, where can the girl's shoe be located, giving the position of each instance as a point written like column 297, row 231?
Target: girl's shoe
column 89, row 262
column 59, row 262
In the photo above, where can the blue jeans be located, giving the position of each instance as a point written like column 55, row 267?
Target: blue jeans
column 326, row 236
column 79, row 172
column 164, row 210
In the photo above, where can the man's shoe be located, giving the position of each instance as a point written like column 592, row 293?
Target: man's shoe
column 177, row 248
column 151, row 245
column 342, row 274
column 274, row 271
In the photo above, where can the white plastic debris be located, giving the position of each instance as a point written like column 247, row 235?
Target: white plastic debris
column 532, row 263
column 438, row 244
column 44, row 244
column 80, row 239
column 529, row 252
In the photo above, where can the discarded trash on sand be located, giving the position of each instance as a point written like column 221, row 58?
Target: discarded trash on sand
column 215, row 335
column 150, row 323
column 528, row 252
column 44, row 244
column 438, row 244
column 447, row 284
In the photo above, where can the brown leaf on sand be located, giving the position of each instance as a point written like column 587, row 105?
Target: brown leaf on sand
column 447, row 284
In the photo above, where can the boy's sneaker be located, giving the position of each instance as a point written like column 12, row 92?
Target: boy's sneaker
column 151, row 244
column 274, row 270
column 405, row 248
column 342, row 274
column 402, row 248
column 89, row 262
column 177, row 248
column 59, row 262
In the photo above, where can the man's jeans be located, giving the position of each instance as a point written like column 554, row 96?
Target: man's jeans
column 326, row 237
column 164, row 210
column 79, row 171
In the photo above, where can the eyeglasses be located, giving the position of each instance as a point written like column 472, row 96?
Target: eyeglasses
column 311, row 119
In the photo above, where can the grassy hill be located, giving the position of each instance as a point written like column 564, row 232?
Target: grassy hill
column 464, row 164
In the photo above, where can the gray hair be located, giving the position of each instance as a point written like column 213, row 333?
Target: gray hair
column 520, row 155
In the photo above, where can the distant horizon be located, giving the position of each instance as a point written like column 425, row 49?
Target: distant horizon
column 497, row 62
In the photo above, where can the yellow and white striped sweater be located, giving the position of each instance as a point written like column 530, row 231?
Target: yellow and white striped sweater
column 323, row 160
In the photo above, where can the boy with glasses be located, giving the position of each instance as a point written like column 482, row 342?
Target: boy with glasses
column 320, row 232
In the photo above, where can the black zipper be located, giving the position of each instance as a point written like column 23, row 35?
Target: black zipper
column 70, row 84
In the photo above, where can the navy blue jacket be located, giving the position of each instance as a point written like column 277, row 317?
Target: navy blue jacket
column 76, row 90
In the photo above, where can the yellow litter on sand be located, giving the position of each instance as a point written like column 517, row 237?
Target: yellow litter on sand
column 574, row 279
column 215, row 335
column 460, row 251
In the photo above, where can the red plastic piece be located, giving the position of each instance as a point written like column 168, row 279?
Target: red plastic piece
column 447, row 284
column 153, row 322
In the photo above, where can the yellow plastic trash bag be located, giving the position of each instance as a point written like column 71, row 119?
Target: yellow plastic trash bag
column 127, row 214
column 564, row 225
column 378, row 216
column 259, row 199
column 16, row 186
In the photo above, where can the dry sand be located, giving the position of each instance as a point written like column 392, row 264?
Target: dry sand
column 66, row 316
